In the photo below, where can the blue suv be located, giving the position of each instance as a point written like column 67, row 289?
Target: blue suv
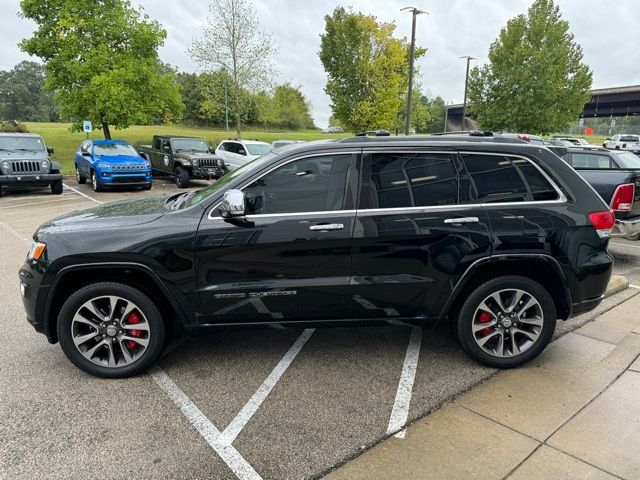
column 111, row 163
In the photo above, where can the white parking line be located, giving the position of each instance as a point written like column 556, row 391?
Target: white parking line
column 14, row 232
column 67, row 199
column 400, row 411
column 244, row 415
column 236, row 462
column 83, row 194
column 221, row 441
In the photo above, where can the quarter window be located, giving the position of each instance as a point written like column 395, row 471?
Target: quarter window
column 498, row 178
column 412, row 180
column 303, row 185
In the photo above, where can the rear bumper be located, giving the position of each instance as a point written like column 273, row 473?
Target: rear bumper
column 628, row 228
column 586, row 306
column 29, row 180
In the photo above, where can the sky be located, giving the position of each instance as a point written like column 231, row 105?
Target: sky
column 607, row 31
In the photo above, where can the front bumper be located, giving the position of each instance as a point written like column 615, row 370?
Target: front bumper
column 208, row 173
column 626, row 228
column 128, row 179
column 30, row 276
column 29, row 180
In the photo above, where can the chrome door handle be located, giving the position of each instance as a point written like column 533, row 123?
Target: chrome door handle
column 326, row 227
column 462, row 220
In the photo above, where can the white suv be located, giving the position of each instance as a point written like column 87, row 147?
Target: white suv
column 239, row 152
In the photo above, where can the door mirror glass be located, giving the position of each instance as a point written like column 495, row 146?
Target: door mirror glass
column 233, row 204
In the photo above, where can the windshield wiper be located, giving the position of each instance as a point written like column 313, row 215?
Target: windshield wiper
column 181, row 200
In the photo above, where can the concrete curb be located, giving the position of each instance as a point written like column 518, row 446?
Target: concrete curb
column 617, row 283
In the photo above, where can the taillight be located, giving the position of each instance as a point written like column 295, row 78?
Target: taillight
column 602, row 222
column 622, row 200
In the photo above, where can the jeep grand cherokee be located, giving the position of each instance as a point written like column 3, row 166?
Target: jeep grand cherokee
column 497, row 237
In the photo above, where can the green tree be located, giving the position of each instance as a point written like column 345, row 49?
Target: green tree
column 22, row 94
column 367, row 68
column 535, row 81
column 192, row 97
column 101, row 61
column 232, row 41
column 288, row 109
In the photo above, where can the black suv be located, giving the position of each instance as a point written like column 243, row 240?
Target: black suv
column 495, row 236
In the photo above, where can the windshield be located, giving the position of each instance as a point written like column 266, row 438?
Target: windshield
column 214, row 188
column 627, row 160
column 114, row 149
column 194, row 144
column 259, row 148
column 32, row 144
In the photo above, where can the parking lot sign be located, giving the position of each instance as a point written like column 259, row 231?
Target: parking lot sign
column 86, row 127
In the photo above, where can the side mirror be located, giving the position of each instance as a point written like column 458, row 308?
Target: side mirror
column 212, row 150
column 86, row 153
column 50, row 150
column 233, row 204
column 166, row 148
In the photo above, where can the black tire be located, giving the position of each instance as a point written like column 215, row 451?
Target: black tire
column 182, row 177
column 149, row 310
column 95, row 183
column 81, row 179
column 465, row 320
column 147, row 187
column 56, row 187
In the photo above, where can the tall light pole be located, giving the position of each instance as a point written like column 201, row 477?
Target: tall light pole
column 466, row 88
column 415, row 12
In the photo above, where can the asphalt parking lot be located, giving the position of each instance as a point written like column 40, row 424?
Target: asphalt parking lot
column 272, row 404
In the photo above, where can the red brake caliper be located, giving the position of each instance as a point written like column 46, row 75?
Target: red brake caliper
column 484, row 317
column 132, row 319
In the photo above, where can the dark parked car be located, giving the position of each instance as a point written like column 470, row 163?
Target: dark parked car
column 25, row 163
column 615, row 175
column 499, row 239
column 184, row 157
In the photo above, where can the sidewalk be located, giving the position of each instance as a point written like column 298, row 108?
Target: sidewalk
column 573, row 413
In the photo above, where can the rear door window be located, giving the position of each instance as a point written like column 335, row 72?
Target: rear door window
column 498, row 178
column 412, row 180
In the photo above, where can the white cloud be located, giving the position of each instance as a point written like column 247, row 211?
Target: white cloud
column 606, row 31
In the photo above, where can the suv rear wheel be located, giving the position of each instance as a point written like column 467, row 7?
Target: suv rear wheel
column 111, row 330
column 81, row 179
column 506, row 321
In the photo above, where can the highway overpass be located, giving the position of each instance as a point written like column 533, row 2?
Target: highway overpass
column 604, row 102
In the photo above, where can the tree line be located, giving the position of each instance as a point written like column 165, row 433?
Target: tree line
column 101, row 64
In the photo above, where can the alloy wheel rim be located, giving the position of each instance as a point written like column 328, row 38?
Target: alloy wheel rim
column 77, row 174
column 507, row 323
column 94, row 181
column 110, row 331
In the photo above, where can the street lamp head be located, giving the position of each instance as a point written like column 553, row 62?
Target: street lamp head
column 414, row 10
column 469, row 57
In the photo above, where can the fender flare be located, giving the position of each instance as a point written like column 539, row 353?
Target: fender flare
column 466, row 276
column 85, row 266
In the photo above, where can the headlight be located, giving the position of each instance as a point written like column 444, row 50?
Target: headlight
column 220, row 162
column 37, row 249
column 44, row 164
column 194, row 162
column 104, row 165
column 5, row 165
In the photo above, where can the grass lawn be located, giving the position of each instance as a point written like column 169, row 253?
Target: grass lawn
column 65, row 143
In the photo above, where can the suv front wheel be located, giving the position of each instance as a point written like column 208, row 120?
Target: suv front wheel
column 111, row 330
column 506, row 321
